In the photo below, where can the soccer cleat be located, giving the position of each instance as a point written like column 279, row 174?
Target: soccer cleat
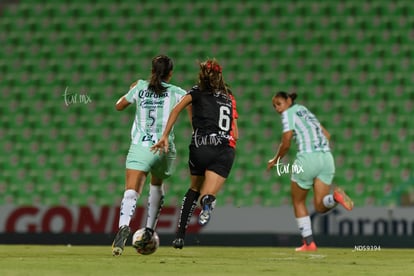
column 205, row 215
column 178, row 243
column 342, row 198
column 120, row 240
column 146, row 237
column 307, row 247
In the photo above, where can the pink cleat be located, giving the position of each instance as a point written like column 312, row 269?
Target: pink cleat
column 342, row 198
column 307, row 247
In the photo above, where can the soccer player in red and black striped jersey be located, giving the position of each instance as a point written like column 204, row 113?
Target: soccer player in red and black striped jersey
column 213, row 142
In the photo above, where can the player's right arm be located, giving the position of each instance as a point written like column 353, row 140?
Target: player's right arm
column 122, row 103
column 326, row 133
column 162, row 145
column 190, row 114
column 282, row 150
column 288, row 128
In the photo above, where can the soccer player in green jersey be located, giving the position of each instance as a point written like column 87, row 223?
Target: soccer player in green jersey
column 313, row 167
column 154, row 100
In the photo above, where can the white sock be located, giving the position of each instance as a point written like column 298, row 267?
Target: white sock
column 329, row 201
column 304, row 224
column 155, row 203
column 128, row 204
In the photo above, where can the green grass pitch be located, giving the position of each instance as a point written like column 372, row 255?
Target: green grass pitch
column 44, row 260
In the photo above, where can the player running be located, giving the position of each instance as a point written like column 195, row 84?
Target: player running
column 154, row 100
column 314, row 164
column 212, row 147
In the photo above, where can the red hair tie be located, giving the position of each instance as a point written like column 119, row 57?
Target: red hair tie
column 215, row 68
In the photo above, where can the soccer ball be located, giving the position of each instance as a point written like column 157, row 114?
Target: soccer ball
column 148, row 248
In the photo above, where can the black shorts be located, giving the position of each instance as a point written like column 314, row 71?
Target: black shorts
column 212, row 158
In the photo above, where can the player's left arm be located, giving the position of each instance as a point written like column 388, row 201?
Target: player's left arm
column 283, row 149
column 235, row 130
column 235, row 117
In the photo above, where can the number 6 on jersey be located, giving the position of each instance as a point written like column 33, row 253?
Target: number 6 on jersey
column 224, row 118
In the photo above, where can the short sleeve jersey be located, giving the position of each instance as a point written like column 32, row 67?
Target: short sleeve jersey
column 306, row 128
column 213, row 118
column 152, row 111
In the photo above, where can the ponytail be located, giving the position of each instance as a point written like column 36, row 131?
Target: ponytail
column 293, row 96
column 161, row 68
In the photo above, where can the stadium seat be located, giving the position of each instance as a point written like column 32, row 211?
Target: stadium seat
column 351, row 66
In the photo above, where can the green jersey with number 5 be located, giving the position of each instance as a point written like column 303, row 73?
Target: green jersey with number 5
column 152, row 111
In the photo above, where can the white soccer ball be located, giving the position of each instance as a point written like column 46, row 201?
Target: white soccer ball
column 149, row 247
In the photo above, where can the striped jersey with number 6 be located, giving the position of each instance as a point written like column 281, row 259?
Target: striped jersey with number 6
column 152, row 111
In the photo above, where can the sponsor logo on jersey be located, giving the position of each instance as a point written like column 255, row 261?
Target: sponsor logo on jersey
column 149, row 94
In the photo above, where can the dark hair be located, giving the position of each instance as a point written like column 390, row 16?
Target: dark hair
column 210, row 78
column 284, row 95
column 161, row 68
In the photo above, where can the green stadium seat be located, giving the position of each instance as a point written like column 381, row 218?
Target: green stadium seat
column 344, row 75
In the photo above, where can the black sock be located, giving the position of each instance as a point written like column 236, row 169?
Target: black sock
column 207, row 200
column 308, row 239
column 187, row 208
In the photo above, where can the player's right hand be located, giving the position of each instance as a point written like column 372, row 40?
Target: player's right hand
column 270, row 164
column 161, row 146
